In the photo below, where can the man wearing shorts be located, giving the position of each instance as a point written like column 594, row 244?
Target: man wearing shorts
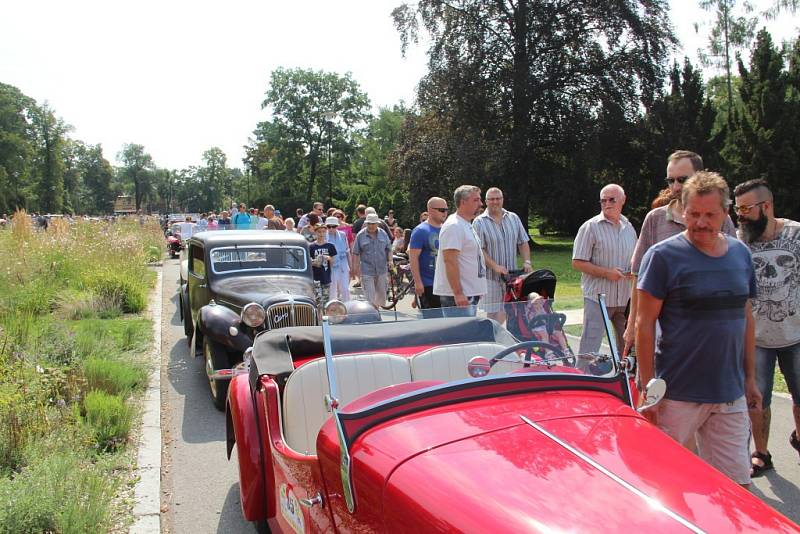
column 697, row 285
column 502, row 236
column 775, row 245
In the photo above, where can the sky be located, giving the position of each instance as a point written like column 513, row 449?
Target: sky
column 180, row 77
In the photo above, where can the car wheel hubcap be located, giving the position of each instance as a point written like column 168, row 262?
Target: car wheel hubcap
column 210, row 370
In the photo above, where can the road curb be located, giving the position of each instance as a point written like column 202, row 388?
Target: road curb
column 147, row 493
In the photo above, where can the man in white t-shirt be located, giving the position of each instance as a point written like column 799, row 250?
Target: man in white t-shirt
column 460, row 276
column 186, row 229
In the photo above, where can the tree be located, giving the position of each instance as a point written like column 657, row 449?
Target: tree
column 213, row 179
column 137, row 170
column 97, row 177
column 49, row 132
column 312, row 111
column 764, row 142
column 516, row 74
column 728, row 34
column 16, row 146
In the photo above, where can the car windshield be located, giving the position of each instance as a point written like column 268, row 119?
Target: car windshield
column 453, row 344
column 257, row 258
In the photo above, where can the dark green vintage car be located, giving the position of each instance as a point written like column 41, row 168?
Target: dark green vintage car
column 237, row 283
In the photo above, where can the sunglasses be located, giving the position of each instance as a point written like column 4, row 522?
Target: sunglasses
column 441, row 210
column 679, row 179
column 610, row 200
column 744, row 210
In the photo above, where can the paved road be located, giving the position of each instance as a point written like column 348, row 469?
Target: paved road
column 200, row 487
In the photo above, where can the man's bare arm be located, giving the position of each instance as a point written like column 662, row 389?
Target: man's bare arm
column 416, row 273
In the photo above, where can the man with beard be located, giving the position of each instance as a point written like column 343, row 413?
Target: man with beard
column 775, row 245
column 664, row 222
column 460, row 276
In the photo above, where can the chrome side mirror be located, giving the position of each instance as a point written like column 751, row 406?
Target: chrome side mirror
column 653, row 393
column 478, row 367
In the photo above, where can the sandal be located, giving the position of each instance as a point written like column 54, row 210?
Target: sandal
column 757, row 470
column 793, row 441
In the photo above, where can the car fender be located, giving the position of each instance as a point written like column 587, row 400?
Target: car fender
column 216, row 322
column 242, row 432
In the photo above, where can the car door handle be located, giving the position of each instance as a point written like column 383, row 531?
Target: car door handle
column 316, row 499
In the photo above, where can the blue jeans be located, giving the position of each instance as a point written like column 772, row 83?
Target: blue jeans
column 449, row 308
column 788, row 359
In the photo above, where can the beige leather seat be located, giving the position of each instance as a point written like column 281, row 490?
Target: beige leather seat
column 449, row 362
column 304, row 409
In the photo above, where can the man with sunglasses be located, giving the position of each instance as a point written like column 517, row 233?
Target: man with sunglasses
column 666, row 221
column 775, row 245
column 422, row 251
column 602, row 253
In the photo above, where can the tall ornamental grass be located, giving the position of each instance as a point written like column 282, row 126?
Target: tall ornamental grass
column 71, row 359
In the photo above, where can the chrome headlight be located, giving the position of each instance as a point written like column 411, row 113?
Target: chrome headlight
column 336, row 311
column 253, row 314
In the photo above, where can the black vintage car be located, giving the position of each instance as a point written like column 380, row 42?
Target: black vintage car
column 236, row 283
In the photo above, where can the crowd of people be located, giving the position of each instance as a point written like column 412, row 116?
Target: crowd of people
column 708, row 309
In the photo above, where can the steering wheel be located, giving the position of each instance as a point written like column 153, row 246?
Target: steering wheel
column 529, row 347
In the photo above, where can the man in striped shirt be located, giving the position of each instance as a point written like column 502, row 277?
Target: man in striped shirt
column 502, row 236
column 602, row 253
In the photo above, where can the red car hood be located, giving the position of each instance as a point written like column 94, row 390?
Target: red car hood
column 480, row 467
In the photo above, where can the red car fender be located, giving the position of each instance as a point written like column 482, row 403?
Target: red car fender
column 243, row 432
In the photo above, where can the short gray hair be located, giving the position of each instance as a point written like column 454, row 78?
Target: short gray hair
column 462, row 192
column 705, row 183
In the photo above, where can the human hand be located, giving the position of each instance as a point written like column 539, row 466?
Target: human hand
column 629, row 336
column 461, row 300
column 615, row 274
column 752, row 394
column 499, row 269
column 526, row 267
column 419, row 289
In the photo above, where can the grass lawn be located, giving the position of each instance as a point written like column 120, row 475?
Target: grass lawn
column 555, row 253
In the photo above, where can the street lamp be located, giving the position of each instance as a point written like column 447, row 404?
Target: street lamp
column 330, row 116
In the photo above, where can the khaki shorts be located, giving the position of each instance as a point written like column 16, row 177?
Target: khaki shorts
column 722, row 431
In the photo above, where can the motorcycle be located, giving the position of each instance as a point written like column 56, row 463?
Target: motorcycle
column 174, row 245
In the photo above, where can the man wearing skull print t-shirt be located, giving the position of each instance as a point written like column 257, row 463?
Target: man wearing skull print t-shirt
column 775, row 245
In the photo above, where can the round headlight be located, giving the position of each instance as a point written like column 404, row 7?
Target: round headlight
column 336, row 311
column 253, row 314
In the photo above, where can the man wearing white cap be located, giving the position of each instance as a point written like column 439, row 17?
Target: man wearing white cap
column 340, row 275
column 373, row 250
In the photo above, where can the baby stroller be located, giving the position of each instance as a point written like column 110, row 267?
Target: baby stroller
column 536, row 320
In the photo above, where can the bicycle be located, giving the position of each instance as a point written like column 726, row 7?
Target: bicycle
column 401, row 281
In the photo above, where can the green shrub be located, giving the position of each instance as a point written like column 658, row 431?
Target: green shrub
column 119, row 288
column 58, row 492
column 115, row 377
column 109, row 418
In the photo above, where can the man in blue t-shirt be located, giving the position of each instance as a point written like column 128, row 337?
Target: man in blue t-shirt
column 422, row 250
column 697, row 284
column 241, row 221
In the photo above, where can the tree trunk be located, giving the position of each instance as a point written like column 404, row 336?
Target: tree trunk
column 520, row 157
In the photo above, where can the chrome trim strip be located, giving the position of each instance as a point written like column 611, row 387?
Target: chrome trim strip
column 653, row 503
column 345, row 467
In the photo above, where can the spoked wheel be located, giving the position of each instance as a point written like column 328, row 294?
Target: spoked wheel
column 216, row 357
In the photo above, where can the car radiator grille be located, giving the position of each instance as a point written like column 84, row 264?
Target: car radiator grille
column 291, row 314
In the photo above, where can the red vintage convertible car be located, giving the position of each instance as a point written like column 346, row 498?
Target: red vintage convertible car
column 456, row 425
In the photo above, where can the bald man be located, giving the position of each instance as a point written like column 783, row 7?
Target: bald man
column 602, row 253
